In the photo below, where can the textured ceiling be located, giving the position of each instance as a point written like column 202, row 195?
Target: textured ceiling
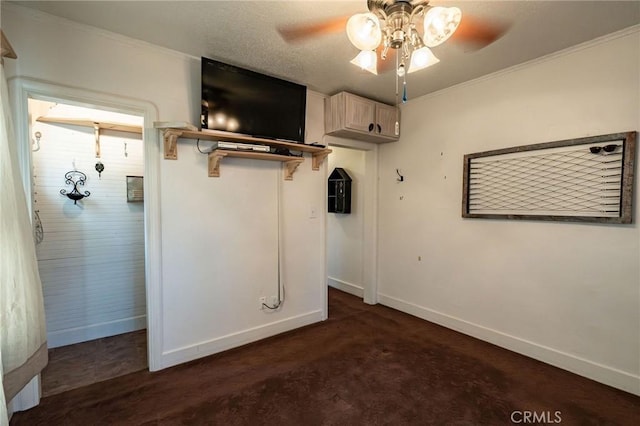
column 244, row 33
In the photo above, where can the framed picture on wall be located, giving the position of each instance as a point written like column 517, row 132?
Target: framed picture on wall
column 135, row 191
column 587, row 179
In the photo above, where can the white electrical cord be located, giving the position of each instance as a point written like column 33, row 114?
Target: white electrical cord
column 279, row 248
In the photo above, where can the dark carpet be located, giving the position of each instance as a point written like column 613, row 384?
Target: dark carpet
column 365, row 365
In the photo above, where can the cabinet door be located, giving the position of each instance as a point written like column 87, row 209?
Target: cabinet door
column 386, row 118
column 360, row 113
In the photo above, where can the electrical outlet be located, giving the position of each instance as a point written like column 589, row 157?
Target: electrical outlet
column 263, row 301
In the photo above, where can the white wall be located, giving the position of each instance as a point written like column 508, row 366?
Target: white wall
column 91, row 258
column 218, row 238
column 345, row 232
column 564, row 293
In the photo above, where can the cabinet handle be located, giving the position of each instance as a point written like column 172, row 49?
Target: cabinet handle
column 371, row 127
column 379, row 128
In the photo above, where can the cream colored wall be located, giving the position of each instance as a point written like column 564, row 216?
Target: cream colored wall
column 345, row 232
column 564, row 293
column 219, row 238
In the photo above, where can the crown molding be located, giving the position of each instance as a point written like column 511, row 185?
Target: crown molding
column 635, row 29
column 49, row 18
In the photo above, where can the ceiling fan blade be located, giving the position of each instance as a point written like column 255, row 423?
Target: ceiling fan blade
column 296, row 33
column 478, row 32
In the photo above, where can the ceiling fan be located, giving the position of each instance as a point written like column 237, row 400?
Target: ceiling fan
column 400, row 33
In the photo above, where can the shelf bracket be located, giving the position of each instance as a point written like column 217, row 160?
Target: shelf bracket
column 96, row 131
column 317, row 158
column 214, row 162
column 290, row 168
column 6, row 50
column 171, row 143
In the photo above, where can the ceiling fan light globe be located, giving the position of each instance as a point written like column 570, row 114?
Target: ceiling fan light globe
column 422, row 58
column 367, row 60
column 439, row 24
column 363, row 30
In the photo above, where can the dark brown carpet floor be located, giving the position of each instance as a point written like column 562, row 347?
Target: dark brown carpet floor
column 366, row 365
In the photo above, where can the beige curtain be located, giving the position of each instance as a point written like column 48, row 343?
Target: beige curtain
column 23, row 346
column 4, row 415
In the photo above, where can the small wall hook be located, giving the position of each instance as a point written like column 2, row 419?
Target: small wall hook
column 37, row 135
column 400, row 177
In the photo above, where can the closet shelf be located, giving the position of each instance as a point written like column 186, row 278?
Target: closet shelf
column 97, row 126
column 172, row 131
column 100, row 125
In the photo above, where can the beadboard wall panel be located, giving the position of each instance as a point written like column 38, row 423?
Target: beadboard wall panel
column 91, row 259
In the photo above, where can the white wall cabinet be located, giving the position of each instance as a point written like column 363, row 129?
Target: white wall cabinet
column 351, row 116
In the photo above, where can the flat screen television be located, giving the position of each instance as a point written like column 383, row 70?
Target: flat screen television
column 242, row 101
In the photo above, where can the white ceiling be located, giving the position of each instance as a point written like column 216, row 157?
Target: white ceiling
column 244, row 33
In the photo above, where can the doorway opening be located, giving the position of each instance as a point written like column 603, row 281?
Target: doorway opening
column 345, row 228
column 88, row 210
column 352, row 237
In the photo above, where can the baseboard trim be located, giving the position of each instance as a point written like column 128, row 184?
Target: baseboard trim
column 230, row 341
column 345, row 286
column 583, row 367
column 96, row 331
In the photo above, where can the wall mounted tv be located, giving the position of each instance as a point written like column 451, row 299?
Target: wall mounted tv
column 243, row 101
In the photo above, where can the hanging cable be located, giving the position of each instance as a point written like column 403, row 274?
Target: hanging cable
column 198, row 146
column 279, row 244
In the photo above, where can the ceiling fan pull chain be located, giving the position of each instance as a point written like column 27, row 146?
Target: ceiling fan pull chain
column 404, row 92
column 397, row 80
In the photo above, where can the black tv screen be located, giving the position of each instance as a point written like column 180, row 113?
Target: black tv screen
column 243, row 101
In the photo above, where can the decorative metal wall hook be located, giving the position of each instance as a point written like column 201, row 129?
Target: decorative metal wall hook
column 99, row 168
column 36, row 145
column 75, row 178
column 38, row 229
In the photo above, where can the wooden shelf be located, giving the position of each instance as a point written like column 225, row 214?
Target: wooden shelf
column 290, row 163
column 97, row 126
column 101, row 125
